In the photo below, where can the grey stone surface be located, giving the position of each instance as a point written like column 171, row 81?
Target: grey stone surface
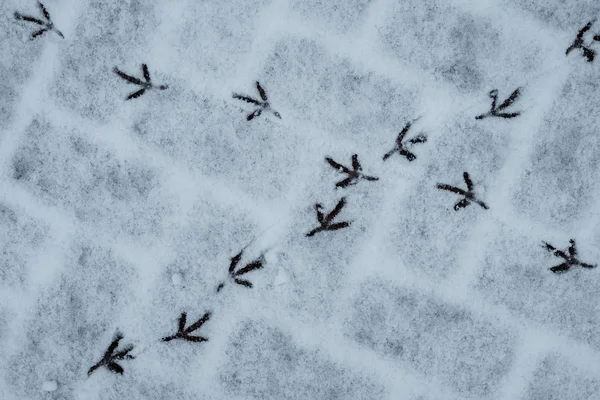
column 558, row 184
column 264, row 363
column 73, row 322
column 65, row 168
column 103, row 201
column 22, row 238
column 439, row 340
column 334, row 94
column 338, row 16
column 521, row 280
column 468, row 51
column 556, row 378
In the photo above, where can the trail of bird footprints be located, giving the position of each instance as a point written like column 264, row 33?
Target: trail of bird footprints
column 354, row 174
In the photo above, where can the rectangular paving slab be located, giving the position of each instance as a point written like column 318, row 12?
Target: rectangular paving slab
column 263, row 362
column 426, row 335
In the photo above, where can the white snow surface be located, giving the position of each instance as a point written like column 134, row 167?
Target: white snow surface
column 49, row 386
column 116, row 217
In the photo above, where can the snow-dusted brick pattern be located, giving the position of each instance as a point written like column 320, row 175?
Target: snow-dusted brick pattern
column 117, row 217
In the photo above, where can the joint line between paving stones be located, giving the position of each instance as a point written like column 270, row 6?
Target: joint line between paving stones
column 527, row 357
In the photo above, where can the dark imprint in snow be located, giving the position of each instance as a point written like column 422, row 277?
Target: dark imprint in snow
column 570, row 258
column 147, row 85
column 578, row 43
column 354, row 175
column 326, row 221
column 47, row 25
column 400, row 147
column 468, row 195
column 262, row 105
column 495, row 111
column 184, row 333
column 109, row 359
column 235, row 275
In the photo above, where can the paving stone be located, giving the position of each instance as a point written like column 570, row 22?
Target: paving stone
column 201, row 252
column 264, row 363
column 214, row 36
column 438, row 340
column 65, row 168
column 109, row 34
column 72, row 322
column 334, row 94
column 339, row 16
column 558, row 184
column 468, row 51
column 516, row 275
column 19, row 56
column 215, row 139
column 146, row 388
column 559, row 14
column 556, row 378
column 22, row 237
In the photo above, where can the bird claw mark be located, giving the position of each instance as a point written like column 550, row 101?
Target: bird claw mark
column 235, row 275
column 146, row 84
column 48, row 25
column 263, row 104
column 468, row 195
column 495, row 111
column 578, row 43
column 184, row 333
column 570, row 259
column 110, row 356
column 354, row 174
column 400, row 145
column 326, row 221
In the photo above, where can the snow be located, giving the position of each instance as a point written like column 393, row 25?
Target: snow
column 556, row 379
column 402, row 325
column 264, row 363
column 177, row 279
column 118, row 217
column 49, row 386
column 556, row 13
